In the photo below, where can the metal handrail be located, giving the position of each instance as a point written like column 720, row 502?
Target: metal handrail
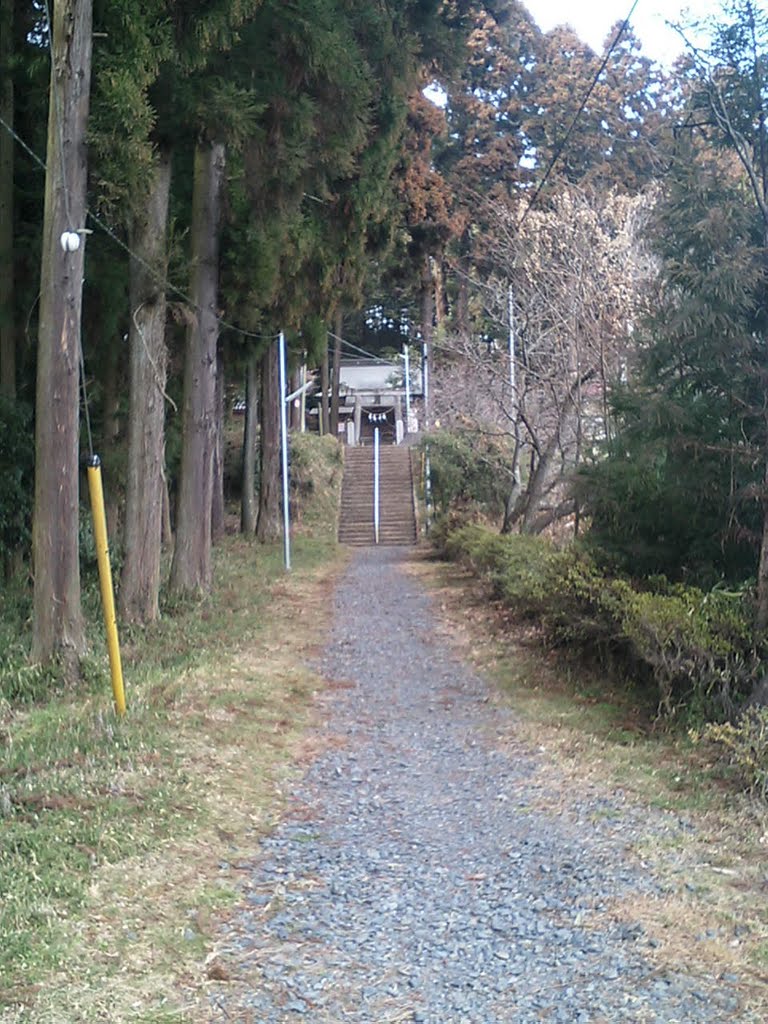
column 376, row 484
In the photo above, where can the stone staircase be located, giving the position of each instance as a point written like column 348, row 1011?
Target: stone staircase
column 397, row 516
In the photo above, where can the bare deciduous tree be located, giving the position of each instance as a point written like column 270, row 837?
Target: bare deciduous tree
column 575, row 275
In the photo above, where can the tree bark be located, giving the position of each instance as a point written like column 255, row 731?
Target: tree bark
column 336, row 382
column 268, row 525
column 440, row 304
column 167, row 529
column 515, row 498
column 217, row 501
column 537, row 485
column 57, row 628
column 7, row 326
column 191, row 569
column 145, row 484
column 461, row 312
column 248, row 496
column 540, row 476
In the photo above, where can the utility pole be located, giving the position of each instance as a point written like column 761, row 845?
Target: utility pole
column 57, row 628
column 284, row 399
column 513, row 380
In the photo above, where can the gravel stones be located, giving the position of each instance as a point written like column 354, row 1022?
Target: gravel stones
column 416, row 881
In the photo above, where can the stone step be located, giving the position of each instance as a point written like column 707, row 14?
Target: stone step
column 397, row 521
column 368, row 541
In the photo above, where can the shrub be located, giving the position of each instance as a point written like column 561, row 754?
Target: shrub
column 16, row 476
column 468, row 471
column 695, row 647
column 745, row 744
column 315, row 479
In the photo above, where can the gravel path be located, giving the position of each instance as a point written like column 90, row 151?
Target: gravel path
column 414, row 881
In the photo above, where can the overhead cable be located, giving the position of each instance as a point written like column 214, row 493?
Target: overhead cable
column 164, row 283
column 564, row 142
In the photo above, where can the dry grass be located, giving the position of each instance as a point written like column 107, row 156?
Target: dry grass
column 142, row 948
column 598, row 742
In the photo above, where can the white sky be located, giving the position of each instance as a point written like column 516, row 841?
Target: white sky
column 592, row 20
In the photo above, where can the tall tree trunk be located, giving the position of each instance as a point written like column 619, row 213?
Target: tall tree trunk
column 514, row 501
column 57, row 627
column 461, row 312
column 541, row 474
column 536, row 488
column 325, row 410
column 167, row 527
column 145, row 484
column 248, row 496
column 336, row 382
column 191, row 569
column 268, row 525
column 440, row 304
column 217, row 499
column 7, row 326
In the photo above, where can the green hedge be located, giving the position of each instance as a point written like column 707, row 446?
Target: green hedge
column 696, row 648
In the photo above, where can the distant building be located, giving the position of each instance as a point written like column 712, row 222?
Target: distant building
column 373, row 394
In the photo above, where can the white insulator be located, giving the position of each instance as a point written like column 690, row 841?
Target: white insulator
column 69, row 241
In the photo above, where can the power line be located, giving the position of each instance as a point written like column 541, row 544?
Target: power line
column 167, row 286
column 159, row 278
column 58, row 119
column 561, row 147
column 356, row 348
column 30, row 152
column 468, row 277
column 172, row 288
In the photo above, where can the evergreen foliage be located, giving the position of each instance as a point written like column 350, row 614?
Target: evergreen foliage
column 680, row 489
column 345, row 187
column 695, row 649
column 16, row 477
column 467, row 474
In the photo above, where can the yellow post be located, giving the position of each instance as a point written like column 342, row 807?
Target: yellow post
column 105, row 580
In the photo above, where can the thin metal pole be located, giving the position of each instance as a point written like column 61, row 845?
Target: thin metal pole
column 105, row 581
column 513, row 381
column 427, row 463
column 407, row 364
column 284, row 452
column 376, row 484
column 425, row 381
column 304, row 397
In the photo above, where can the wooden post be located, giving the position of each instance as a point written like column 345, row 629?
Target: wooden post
column 57, row 629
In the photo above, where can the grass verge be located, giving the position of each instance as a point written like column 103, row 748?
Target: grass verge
column 121, row 841
column 710, row 840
